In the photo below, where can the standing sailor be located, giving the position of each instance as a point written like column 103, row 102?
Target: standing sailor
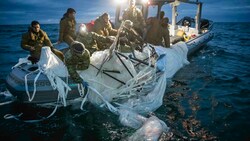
column 135, row 15
column 67, row 27
column 158, row 33
column 129, row 38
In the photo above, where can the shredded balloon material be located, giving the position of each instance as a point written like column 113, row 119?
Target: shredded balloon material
column 130, row 86
column 142, row 92
column 50, row 65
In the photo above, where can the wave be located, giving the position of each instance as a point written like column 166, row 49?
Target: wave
column 16, row 35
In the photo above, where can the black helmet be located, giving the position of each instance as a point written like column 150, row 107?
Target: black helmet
column 77, row 47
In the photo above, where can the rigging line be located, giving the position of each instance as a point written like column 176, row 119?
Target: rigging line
column 112, row 48
column 144, row 60
column 124, row 64
column 135, row 59
column 109, row 75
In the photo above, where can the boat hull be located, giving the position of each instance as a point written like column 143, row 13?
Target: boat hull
column 195, row 44
column 15, row 83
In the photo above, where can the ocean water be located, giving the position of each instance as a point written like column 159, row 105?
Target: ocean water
column 209, row 99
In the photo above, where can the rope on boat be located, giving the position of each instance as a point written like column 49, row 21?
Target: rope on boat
column 31, row 97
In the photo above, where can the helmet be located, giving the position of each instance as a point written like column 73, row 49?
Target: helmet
column 128, row 24
column 82, row 29
column 77, row 47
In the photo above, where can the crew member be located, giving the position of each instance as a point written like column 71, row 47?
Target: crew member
column 34, row 40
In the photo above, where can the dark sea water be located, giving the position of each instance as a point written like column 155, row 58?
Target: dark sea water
column 208, row 100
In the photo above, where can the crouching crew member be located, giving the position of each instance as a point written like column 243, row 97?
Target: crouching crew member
column 103, row 26
column 129, row 38
column 77, row 58
column 90, row 39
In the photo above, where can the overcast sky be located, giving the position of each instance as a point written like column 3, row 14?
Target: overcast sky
column 50, row 11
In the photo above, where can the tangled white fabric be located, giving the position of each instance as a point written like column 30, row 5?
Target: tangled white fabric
column 124, row 85
column 142, row 88
column 53, row 68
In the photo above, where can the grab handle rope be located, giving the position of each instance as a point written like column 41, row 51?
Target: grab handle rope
column 31, row 97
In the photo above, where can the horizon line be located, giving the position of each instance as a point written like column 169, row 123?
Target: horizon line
column 80, row 23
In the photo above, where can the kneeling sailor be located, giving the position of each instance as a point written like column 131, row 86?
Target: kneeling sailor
column 77, row 58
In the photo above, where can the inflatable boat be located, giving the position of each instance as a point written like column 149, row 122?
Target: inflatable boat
column 24, row 82
column 130, row 85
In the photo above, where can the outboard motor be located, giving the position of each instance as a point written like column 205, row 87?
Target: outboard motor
column 204, row 23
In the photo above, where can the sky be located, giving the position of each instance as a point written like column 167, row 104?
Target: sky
column 51, row 11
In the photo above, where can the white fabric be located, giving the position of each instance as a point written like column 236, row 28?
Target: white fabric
column 150, row 131
column 130, row 118
column 50, row 65
column 142, row 93
column 50, row 62
column 174, row 58
column 54, row 68
column 103, row 83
